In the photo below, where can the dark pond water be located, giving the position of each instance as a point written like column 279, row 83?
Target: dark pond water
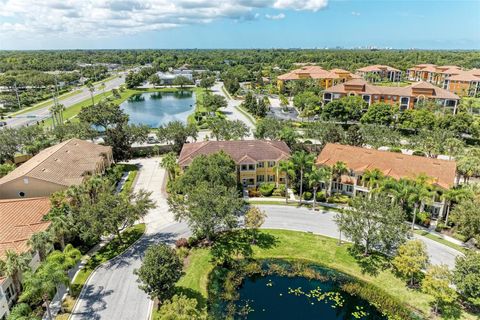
column 277, row 297
column 158, row 108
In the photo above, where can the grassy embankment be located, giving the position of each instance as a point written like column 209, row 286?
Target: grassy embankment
column 318, row 249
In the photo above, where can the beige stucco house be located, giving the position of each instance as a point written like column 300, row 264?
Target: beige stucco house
column 56, row 168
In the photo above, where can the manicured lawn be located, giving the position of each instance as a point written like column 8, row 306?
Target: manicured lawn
column 317, row 249
column 441, row 240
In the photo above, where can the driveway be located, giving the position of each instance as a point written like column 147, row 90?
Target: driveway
column 321, row 222
column 112, row 291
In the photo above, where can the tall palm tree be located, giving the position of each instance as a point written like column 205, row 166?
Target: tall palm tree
column 422, row 194
column 315, row 179
column 287, row 167
column 373, row 179
column 15, row 264
column 455, row 196
column 302, row 161
column 400, row 190
column 41, row 242
column 91, row 88
column 338, row 169
column 169, row 162
column 60, row 224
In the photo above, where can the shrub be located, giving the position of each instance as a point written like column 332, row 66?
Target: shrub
column 418, row 153
column 423, row 219
column 307, row 195
column 396, row 150
column 280, row 191
column 441, row 226
column 182, row 243
column 182, row 253
column 339, row 198
column 320, row 196
column 266, row 189
column 254, row 193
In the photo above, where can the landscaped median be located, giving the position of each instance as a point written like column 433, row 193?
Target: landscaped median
column 318, row 250
column 104, row 254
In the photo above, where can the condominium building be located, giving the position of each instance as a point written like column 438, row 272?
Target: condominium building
column 256, row 160
column 379, row 72
column 452, row 78
column 391, row 164
column 324, row 78
column 19, row 220
column 405, row 97
column 56, row 168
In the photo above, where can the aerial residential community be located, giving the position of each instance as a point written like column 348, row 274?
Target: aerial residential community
column 173, row 160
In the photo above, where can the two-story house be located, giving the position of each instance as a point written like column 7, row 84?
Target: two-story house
column 391, row 164
column 256, row 160
column 19, row 220
column 381, row 72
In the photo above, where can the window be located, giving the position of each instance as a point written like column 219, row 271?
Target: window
column 21, row 194
column 251, row 167
column 260, row 164
column 271, row 164
column 271, row 178
column 349, row 188
column 261, row 178
column 9, row 293
column 244, row 167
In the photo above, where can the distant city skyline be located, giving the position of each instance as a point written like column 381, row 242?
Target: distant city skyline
column 231, row 24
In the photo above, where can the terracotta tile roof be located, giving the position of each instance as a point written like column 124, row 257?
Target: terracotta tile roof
column 395, row 165
column 363, row 87
column 377, row 68
column 19, row 220
column 241, row 151
column 65, row 163
column 465, row 76
column 314, row 72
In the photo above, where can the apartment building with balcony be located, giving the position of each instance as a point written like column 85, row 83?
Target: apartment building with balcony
column 256, row 160
column 391, row 164
column 19, row 220
column 452, row 78
column 379, row 72
column 405, row 97
column 324, row 77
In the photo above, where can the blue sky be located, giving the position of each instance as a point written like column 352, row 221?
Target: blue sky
column 70, row 24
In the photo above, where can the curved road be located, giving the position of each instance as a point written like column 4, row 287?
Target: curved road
column 112, row 291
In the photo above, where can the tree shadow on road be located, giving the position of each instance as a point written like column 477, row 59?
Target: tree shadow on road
column 94, row 302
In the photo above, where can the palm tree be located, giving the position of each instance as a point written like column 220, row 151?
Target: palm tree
column 169, row 162
column 60, row 224
column 91, row 88
column 43, row 283
column 15, row 264
column 57, row 114
column 301, row 161
column 373, row 179
column 287, row 167
column 41, row 242
column 400, row 190
column 455, row 196
column 315, row 179
column 421, row 195
column 338, row 169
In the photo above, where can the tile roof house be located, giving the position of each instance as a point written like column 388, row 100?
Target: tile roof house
column 256, row 160
column 381, row 71
column 324, row 77
column 405, row 97
column 56, row 168
column 19, row 220
column 452, row 78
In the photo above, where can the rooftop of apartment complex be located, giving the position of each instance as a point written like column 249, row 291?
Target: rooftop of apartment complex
column 241, row 151
column 314, row 72
column 392, row 164
column 64, row 164
column 19, row 220
column 453, row 73
column 415, row 89
column 377, row 68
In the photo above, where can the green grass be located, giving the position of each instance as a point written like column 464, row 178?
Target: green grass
column 317, row 249
column 45, row 103
column 246, row 114
column 441, row 240
column 130, row 179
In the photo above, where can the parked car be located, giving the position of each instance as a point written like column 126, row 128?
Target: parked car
column 3, row 124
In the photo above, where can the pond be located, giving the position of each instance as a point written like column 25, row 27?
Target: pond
column 158, row 108
column 281, row 297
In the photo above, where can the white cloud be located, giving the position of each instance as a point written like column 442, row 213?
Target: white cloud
column 279, row 16
column 354, row 13
column 97, row 18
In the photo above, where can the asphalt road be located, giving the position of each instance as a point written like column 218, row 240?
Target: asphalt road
column 321, row 222
column 32, row 117
column 112, row 291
